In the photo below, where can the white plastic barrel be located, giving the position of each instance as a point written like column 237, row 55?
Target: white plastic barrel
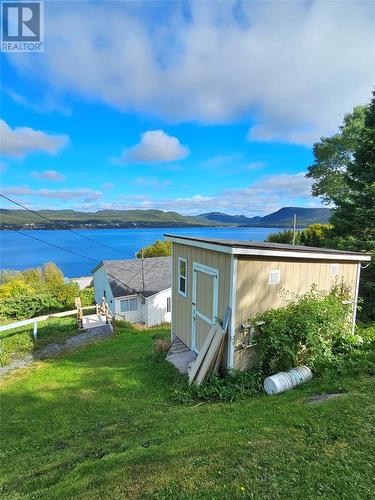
column 283, row 381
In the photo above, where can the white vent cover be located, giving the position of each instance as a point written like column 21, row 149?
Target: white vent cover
column 334, row 269
column 274, row 277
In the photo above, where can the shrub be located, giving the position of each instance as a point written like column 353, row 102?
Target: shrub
column 35, row 291
column 158, row 249
column 15, row 288
column 87, row 296
column 311, row 330
column 230, row 386
column 29, row 305
column 161, row 345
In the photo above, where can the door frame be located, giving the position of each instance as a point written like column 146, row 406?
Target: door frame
column 210, row 271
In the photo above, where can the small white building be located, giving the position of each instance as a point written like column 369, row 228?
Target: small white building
column 134, row 291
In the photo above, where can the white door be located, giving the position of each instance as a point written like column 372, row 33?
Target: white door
column 205, row 294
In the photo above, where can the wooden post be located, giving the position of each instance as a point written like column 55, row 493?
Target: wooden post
column 35, row 330
column 79, row 312
column 143, row 273
column 294, row 228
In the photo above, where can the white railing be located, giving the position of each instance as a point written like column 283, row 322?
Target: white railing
column 104, row 310
column 35, row 321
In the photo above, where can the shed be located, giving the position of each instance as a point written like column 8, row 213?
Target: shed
column 250, row 277
column 136, row 290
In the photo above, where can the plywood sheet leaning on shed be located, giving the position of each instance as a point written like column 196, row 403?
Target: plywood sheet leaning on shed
column 202, row 353
column 210, row 355
column 211, row 352
column 220, row 352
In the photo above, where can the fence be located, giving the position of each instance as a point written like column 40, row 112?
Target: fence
column 35, row 321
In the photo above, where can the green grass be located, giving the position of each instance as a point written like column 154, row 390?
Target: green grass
column 99, row 423
column 19, row 342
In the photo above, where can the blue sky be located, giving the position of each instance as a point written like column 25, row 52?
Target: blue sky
column 191, row 107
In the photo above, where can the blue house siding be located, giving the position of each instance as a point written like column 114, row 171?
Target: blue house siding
column 102, row 288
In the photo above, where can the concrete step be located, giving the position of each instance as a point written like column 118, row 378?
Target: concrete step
column 180, row 355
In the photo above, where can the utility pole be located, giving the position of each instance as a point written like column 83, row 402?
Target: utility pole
column 143, row 272
column 294, row 228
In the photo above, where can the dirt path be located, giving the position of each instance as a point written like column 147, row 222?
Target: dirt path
column 52, row 350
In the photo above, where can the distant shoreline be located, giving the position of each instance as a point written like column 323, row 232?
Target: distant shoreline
column 157, row 226
column 16, row 219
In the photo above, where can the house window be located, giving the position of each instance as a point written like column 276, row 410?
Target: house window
column 334, row 269
column 274, row 277
column 182, row 276
column 168, row 304
column 128, row 305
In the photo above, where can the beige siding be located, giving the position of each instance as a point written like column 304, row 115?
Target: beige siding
column 182, row 306
column 255, row 295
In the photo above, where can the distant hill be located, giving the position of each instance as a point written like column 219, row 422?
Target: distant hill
column 16, row 219
column 229, row 219
column 101, row 219
column 284, row 217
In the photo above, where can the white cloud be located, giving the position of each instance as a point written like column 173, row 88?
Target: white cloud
column 156, row 146
column 24, row 140
column 48, row 175
column 292, row 69
column 85, row 194
column 48, row 104
column 107, row 185
column 260, row 198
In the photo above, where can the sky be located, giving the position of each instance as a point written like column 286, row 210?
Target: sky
column 184, row 106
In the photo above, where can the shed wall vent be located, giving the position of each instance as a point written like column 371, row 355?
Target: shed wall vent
column 274, row 277
column 334, row 269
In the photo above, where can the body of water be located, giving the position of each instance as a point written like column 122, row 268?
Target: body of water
column 19, row 252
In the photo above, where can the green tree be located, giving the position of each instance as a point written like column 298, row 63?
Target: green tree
column 36, row 291
column 344, row 175
column 157, row 249
column 53, row 276
column 333, row 155
column 314, row 235
column 87, row 296
column 285, row 236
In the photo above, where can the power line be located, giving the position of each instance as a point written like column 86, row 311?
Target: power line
column 53, row 245
column 71, row 251
column 61, row 225
column 79, row 255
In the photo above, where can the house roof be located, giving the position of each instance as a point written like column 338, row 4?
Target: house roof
column 262, row 248
column 125, row 276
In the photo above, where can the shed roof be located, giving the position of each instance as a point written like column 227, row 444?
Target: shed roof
column 263, row 248
column 125, row 276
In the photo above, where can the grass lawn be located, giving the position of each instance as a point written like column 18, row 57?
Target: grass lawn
column 100, row 423
column 19, row 342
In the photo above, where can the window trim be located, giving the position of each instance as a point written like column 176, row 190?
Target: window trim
column 182, row 259
column 128, row 299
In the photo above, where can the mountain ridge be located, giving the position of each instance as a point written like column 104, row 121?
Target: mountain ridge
column 21, row 219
